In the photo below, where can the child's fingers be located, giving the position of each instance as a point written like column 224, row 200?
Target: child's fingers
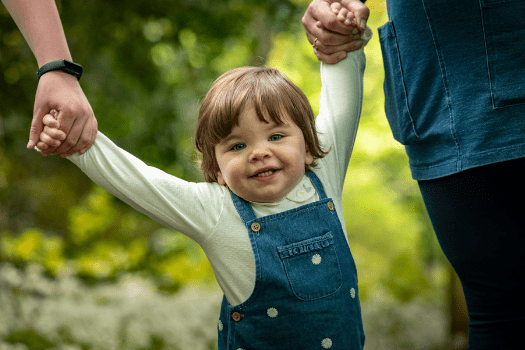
column 345, row 16
column 42, row 146
column 50, row 121
column 336, row 7
column 50, row 141
column 56, row 134
column 359, row 10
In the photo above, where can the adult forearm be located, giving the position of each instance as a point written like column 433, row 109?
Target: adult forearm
column 39, row 22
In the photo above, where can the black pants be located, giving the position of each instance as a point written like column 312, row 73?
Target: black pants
column 478, row 216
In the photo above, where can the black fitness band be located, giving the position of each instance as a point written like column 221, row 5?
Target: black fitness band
column 63, row 65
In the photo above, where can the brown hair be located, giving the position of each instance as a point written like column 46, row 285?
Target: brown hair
column 271, row 93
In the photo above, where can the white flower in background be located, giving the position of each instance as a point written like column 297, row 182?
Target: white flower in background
column 132, row 314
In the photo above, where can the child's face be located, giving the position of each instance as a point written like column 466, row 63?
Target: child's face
column 262, row 162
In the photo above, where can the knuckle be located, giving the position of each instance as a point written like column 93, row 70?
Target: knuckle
column 68, row 143
column 304, row 20
column 35, row 130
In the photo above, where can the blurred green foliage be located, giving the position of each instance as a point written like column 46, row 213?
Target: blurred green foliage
column 147, row 66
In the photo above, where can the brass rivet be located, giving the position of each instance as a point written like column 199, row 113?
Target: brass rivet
column 236, row 316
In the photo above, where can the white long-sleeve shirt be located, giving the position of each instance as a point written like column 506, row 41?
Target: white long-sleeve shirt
column 205, row 211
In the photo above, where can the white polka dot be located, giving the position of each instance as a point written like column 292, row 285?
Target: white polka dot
column 316, row 259
column 352, row 293
column 220, row 325
column 326, row 343
column 272, row 312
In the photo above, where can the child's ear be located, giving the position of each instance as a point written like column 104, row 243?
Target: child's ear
column 220, row 178
column 308, row 155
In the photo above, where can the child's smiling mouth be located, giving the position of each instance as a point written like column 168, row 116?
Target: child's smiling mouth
column 265, row 172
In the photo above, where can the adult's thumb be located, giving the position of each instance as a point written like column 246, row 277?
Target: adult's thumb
column 36, row 129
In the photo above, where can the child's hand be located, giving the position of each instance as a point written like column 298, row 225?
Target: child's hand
column 51, row 136
column 346, row 16
column 335, row 27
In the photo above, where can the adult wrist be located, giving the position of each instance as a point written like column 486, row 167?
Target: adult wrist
column 65, row 66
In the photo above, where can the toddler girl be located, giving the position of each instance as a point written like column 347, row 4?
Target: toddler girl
column 269, row 216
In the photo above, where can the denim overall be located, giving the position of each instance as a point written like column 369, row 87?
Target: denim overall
column 305, row 294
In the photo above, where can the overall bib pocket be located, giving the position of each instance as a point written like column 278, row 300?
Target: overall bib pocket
column 312, row 267
column 504, row 36
column 396, row 98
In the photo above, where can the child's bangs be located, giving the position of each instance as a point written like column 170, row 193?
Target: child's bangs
column 266, row 100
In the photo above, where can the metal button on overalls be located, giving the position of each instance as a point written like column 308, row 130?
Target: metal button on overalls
column 236, row 316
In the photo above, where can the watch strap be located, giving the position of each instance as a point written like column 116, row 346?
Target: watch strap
column 62, row 65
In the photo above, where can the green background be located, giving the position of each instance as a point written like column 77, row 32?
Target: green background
column 81, row 270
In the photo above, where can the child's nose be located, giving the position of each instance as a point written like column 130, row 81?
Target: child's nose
column 259, row 154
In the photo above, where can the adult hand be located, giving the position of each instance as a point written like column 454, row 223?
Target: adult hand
column 62, row 91
column 335, row 36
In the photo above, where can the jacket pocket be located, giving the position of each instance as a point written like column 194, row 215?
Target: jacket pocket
column 312, row 267
column 504, row 31
column 396, row 98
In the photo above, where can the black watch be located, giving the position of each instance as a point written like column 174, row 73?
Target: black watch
column 63, row 65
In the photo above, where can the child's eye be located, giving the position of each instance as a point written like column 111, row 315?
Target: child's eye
column 238, row 147
column 276, row 137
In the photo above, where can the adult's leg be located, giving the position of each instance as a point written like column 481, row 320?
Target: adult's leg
column 479, row 219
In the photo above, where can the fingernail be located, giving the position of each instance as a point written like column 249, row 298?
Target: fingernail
column 363, row 23
column 28, row 145
column 348, row 22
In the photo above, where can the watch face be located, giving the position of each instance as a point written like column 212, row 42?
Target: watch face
column 73, row 68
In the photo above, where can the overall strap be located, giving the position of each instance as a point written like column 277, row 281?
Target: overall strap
column 243, row 208
column 317, row 184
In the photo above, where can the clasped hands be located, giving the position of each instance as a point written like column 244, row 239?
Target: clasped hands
column 335, row 27
column 60, row 96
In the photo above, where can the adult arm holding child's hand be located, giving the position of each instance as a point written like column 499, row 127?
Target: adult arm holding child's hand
column 40, row 24
column 335, row 28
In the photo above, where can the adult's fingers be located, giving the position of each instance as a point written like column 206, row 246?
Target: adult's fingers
column 73, row 134
column 91, row 129
column 81, row 136
column 330, row 58
column 337, row 56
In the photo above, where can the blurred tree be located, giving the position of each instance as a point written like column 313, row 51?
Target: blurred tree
column 147, row 66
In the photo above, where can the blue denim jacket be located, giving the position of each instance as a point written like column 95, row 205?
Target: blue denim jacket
column 455, row 82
